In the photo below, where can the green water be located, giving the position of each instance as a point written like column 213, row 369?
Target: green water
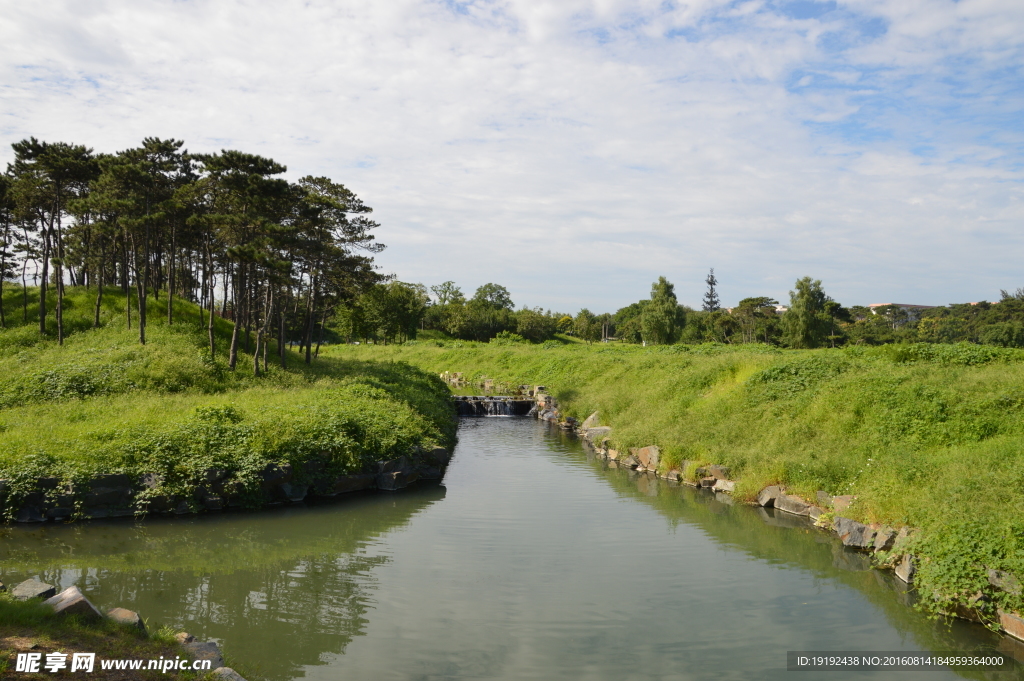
column 529, row 561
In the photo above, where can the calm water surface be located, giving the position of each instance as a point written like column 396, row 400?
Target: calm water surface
column 531, row 561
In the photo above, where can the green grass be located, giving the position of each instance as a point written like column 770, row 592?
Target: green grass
column 926, row 436
column 103, row 403
column 29, row 626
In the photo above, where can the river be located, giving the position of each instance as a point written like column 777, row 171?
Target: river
column 530, row 561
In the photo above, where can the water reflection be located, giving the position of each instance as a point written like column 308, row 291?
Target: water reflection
column 298, row 581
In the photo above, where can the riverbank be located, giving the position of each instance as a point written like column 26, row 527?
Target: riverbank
column 929, row 437
column 102, row 426
column 33, row 628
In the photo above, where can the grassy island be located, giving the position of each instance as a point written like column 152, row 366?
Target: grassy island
column 926, row 436
column 104, row 404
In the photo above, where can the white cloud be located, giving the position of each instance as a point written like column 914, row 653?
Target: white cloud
column 574, row 151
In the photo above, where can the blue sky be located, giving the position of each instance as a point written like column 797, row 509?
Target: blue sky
column 574, row 151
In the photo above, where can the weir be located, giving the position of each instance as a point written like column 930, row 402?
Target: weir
column 492, row 405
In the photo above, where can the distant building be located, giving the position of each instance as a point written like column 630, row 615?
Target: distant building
column 913, row 311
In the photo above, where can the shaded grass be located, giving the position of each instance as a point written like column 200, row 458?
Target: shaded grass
column 926, row 436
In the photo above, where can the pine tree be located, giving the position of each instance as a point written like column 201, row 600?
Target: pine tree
column 711, row 302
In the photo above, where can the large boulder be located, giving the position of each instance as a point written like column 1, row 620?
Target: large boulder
column 33, row 588
column 768, row 495
column 792, row 504
column 71, row 601
column 597, row 433
column 226, row 674
column 590, row 422
column 854, row 534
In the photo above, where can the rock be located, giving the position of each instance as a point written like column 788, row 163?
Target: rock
column 1004, row 581
column 673, row 474
column 792, row 504
column 182, row 508
column 1012, row 623
column 631, row 462
column 129, row 617
column 824, row 498
column 597, row 434
column 291, row 492
column 184, row 637
column 205, row 651
column 47, row 483
column 708, row 482
column 151, row 480
column 212, row 475
column 440, row 455
column 718, row 472
column 109, row 490
column 274, row 474
column 885, row 539
column 815, row 512
column 2, row 587
column 647, row 456
column 903, row 537
column 590, row 422
column 345, row 483
column 30, row 514
column 905, row 569
column 842, row 503
column 854, row 534
column 397, row 479
column 60, row 512
column 212, row 502
column 226, row 674
column 614, row 454
column 724, row 486
column 33, row 588
column 71, row 601
column 768, row 495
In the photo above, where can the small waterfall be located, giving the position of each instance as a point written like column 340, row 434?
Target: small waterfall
column 492, row 405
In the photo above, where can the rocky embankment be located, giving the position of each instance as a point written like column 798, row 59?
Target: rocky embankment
column 889, row 548
column 114, row 495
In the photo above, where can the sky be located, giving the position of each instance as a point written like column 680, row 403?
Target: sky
column 575, row 151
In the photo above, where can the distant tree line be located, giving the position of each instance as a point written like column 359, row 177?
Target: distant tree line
column 221, row 230
column 812, row 320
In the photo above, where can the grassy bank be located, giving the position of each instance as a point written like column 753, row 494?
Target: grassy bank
column 104, row 404
column 32, row 627
column 929, row 436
